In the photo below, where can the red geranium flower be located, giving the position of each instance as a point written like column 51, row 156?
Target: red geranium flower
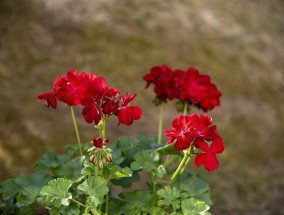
column 180, row 135
column 191, row 128
column 208, row 158
column 69, row 88
column 50, row 97
column 201, row 128
column 210, row 98
column 163, row 79
column 126, row 115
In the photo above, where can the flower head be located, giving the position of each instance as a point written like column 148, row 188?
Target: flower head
column 196, row 132
column 180, row 134
column 208, row 157
column 187, row 86
column 99, row 101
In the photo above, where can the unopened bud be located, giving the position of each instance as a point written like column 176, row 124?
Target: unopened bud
column 92, row 158
column 109, row 157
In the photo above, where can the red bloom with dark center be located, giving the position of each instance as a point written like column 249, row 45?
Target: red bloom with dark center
column 50, row 97
column 180, row 135
column 208, row 158
column 126, row 115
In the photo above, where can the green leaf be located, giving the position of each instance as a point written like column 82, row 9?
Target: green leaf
column 160, row 171
column 95, row 187
column 120, row 149
column 127, row 181
column 25, row 188
column 168, row 150
column 118, row 207
column 147, row 143
column 138, row 199
column 169, row 196
column 88, row 169
column 72, row 169
column 157, row 211
column 27, row 210
column 72, row 148
column 56, row 192
column 9, row 189
column 145, row 160
column 71, row 209
column 195, row 187
column 118, row 172
column 194, row 207
column 50, row 160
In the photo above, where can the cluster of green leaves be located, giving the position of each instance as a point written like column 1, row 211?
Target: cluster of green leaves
column 70, row 185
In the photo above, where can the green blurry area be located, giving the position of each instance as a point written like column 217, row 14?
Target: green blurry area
column 240, row 44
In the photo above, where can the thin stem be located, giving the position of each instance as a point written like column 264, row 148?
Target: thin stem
column 180, row 168
column 106, row 208
column 46, row 207
column 103, row 134
column 76, row 130
column 79, row 203
column 185, row 108
column 154, row 182
column 190, row 151
column 161, row 123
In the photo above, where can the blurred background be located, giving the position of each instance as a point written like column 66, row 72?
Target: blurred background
column 239, row 43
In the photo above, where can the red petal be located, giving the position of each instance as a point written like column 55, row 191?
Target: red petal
column 197, row 141
column 217, row 146
column 44, row 96
column 135, row 111
column 203, row 146
column 182, row 144
column 199, row 159
column 211, row 162
column 91, row 114
column 210, row 133
column 125, row 117
column 204, row 121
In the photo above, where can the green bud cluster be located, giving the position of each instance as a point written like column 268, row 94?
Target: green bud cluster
column 100, row 156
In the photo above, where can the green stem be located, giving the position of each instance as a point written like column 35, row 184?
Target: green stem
column 76, row 130
column 79, row 203
column 161, row 123
column 103, row 134
column 106, row 208
column 46, row 207
column 95, row 211
column 86, row 210
column 180, row 168
column 185, row 108
column 154, row 182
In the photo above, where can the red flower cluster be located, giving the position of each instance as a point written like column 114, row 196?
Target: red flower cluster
column 197, row 131
column 98, row 100
column 188, row 86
